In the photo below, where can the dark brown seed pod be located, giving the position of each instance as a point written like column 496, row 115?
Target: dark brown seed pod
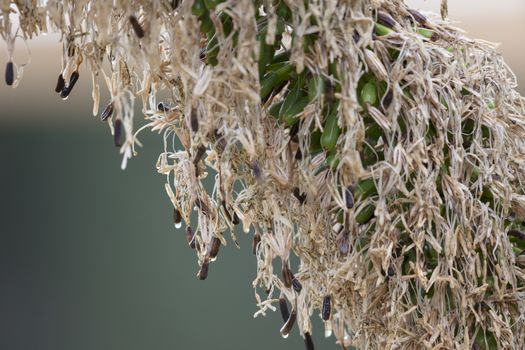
column 283, row 306
column 387, row 99
column 9, row 73
column 203, row 271
column 137, row 28
column 117, row 136
column 194, row 120
column 163, row 107
column 198, row 154
column 287, row 275
column 308, row 342
column 199, row 203
column 235, row 220
column 190, row 237
column 349, row 197
column 257, row 172
column 107, row 112
column 72, row 81
column 288, row 325
column 296, row 285
column 418, row 17
column 390, row 271
column 255, row 243
column 177, row 218
column 213, row 249
column 327, row 308
column 60, row 83
column 385, row 19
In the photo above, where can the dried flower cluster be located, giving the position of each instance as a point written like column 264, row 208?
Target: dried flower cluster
column 381, row 149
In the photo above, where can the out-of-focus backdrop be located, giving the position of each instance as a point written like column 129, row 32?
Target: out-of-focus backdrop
column 89, row 258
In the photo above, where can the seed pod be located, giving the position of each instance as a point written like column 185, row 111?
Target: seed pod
column 177, row 218
column 137, row 28
column 198, row 155
column 429, row 34
column 9, row 73
column 387, row 99
column 235, row 220
column 190, row 237
column 327, row 308
column 287, row 327
column 201, row 205
column 257, row 172
column 108, row 111
column 287, row 275
column 255, row 243
column 385, row 19
column 194, row 120
column 390, row 271
column 284, row 309
column 213, row 249
column 369, row 94
column 203, row 271
column 60, row 83
column 117, row 137
column 349, row 197
column 381, row 30
column 296, row 285
column 72, row 81
column 308, row 342
column 418, row 17
column 163, row 107
column 331, row 131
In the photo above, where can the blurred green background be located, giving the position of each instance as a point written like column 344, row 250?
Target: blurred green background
column 89, row 257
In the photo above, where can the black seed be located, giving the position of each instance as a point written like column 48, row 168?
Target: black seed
column 349, row 197
column 385, row 19
column 344, row 246
column 213, row 250
column 203, row 272
column 387, row 99
column 255, row 243
column 308, row 342
column 9, row 73
column 327, row 307
column 198, row 155
column 72, row 81
column 283, row 306
column 108, row 111
column 194, row 120
column 356, row 37
column 163, row 107
column 177, row 217
column 296, row 285
column 294, row 130
column 420, row 18
column 136, row 26
column 236, row 220
column 190, row 237
column 287, row 275
column 287, row 327
column 60, row 83
column 117, row 137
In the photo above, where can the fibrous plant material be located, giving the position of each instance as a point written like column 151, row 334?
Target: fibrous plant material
column 380, row 148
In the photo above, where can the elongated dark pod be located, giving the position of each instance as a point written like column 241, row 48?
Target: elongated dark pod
column 385, row 19
column 194, row 120
column 283, row 306
column 308, row 342
column 9, row 73
column 255, row 242
column 327, row 308
column 203, row 271
column 286, row 274
column 107, row 112
column 137, row 28
column 288, row 325
column 72, row 81
column 117, row 137
column 60, row 83
column 418, row 17
column 190, row 237
column 213, row 249
column 198, row 154
column 349, row 197
column 177, row 218
column 296, row 285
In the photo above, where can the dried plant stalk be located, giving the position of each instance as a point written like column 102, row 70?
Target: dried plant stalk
column 382, row 148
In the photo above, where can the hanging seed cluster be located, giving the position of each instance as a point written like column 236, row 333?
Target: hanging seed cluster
column 382, row 149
